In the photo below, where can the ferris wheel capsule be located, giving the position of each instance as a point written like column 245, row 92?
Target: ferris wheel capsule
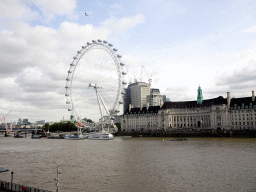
column 105, row 42
column 94, row 41
column 83, row 47
column 110, row 45
column 123, row 73
column 122, row 64
column 115, row 49
column 88, row 43
column 78, row 52
column 99, row 40
column 74, row 58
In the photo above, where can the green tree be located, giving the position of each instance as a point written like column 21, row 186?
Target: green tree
column 118, row 125
column 89, row 120
column 46, row 127
column 65, row 127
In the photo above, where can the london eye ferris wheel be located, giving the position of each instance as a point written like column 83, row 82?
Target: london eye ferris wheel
column 95, row 82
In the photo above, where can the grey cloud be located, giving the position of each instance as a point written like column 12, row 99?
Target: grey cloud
column 240, row 80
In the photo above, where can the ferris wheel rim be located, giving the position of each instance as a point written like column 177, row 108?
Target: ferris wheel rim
column 103, row 45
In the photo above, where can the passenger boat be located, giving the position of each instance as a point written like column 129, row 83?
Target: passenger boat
column 100, row 136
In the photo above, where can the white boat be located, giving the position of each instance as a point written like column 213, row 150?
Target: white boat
column 75, row 137
column 100, row 136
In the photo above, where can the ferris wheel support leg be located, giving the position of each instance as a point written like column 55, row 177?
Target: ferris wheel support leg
column 102, row 101
column 97, row 94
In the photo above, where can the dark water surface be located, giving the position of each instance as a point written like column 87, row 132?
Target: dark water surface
column 135, row 164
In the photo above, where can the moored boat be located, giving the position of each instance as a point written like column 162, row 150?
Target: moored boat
column 34, row 136
column 7, row 134
column 55, row 136
column 100, row 136
column 18, row 136
column 180, row 139
column 75, row 137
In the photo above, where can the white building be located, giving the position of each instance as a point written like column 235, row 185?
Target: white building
column 144, row 118
column 136, row 95
column 155, row 98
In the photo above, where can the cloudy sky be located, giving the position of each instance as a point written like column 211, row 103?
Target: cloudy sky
column 181, row 44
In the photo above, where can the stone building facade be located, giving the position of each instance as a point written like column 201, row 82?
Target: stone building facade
column 217, row 113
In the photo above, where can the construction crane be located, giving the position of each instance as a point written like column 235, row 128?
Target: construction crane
column 3, row 118
column 148, row 76
column 128, row 75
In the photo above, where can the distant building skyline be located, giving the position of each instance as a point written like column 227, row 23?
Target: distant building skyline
column 140, row 94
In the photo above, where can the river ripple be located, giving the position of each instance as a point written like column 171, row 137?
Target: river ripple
column 136, row 164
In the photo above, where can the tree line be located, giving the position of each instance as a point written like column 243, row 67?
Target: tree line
column 67, row 127
column 60, row 127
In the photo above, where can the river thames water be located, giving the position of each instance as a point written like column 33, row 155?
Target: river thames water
column 135, row 164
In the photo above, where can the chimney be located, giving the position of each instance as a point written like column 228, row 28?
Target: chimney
column 228, row 98
column 253, row 96
column 147, row 105
column 130, row 107
column 161, row 103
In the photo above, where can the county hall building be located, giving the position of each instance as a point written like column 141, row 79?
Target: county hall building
column 218, row 113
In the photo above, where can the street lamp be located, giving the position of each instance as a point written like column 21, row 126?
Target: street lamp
column 57, row 179
column 11, row 180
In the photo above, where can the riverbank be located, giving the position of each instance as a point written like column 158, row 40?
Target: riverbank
column 201, row 133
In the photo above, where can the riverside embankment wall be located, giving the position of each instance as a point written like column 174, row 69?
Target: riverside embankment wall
column 201, row 133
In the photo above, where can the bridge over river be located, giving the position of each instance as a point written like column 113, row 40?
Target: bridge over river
column 22, row 130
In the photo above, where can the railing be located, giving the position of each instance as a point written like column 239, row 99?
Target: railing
column 7, row 186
